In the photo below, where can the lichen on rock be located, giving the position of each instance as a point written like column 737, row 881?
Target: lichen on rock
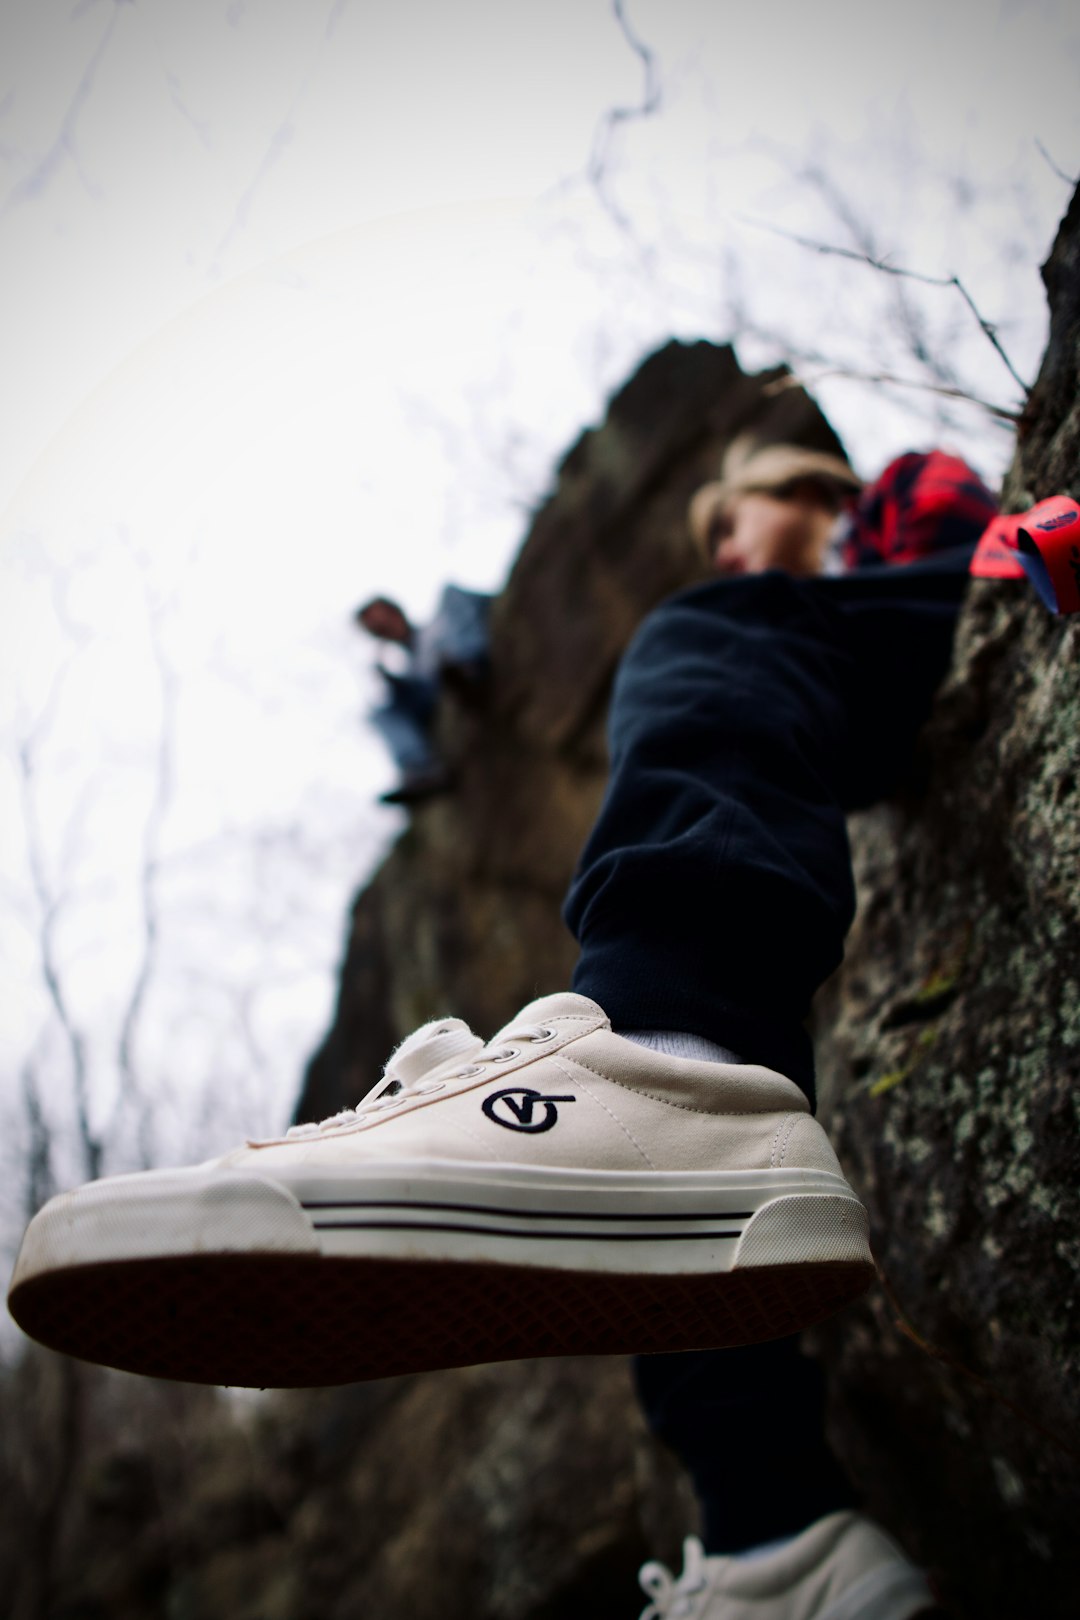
column 949, row 1049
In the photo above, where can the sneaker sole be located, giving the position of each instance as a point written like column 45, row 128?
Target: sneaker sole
column 305, row 1287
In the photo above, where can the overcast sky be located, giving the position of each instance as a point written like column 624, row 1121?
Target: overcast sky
column 301, row 302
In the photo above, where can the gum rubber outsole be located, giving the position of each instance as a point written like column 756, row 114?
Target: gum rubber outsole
column 297, row 1321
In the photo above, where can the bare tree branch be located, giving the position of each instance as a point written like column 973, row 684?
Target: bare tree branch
column 875, row 262
column 337, row 11
column 39, row 1174
column 1069, row 179
column 50, row 908
column 909, row 317
column 33, row 184
column 598, row 167
column 280, row 138
column 128, row 1094
column 989, row 331
column 1003, row 417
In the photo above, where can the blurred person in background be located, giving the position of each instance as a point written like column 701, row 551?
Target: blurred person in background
column 451, row 649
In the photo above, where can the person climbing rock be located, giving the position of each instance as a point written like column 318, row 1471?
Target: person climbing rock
column 789, row 1543
column 632, row 1165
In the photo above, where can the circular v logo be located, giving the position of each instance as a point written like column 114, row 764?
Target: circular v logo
column 520, row 1108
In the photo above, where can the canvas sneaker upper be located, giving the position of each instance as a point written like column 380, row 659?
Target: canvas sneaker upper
column 657, row 1202
column 844, row 1567
column 557, row 1088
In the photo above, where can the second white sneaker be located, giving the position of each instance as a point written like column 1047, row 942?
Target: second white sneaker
column 557, row 1191
column 844, row 1567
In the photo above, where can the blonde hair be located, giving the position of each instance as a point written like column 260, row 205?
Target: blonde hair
column 772, row 469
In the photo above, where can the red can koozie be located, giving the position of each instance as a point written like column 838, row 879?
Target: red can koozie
column 1044, row 544
column 1049, row 541
column 996, row 555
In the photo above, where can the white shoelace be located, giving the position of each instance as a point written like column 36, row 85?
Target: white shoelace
column 421, row 1066
column 675, row 1599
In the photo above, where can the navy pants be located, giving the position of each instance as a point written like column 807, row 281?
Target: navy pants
column 713, row 896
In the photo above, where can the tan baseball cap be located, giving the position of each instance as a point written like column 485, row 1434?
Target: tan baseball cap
column 750, row 466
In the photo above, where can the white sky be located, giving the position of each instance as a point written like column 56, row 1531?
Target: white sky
column 301, row 302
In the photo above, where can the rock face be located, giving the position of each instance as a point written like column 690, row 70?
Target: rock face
column 950, row 1042
column 529, row 1489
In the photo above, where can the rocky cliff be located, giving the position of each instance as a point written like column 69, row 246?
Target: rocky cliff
column 950, row 1042
column 949, row 1048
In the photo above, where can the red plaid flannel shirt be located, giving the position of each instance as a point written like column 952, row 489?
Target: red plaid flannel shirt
column 923, row 502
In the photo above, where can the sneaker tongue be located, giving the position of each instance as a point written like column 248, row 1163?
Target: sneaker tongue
column 563, row 1005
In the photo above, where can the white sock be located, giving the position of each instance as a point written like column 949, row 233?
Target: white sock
column 672, row 1043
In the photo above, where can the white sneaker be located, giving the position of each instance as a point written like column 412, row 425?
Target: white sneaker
column 560, row 1191
column 842, row 1568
